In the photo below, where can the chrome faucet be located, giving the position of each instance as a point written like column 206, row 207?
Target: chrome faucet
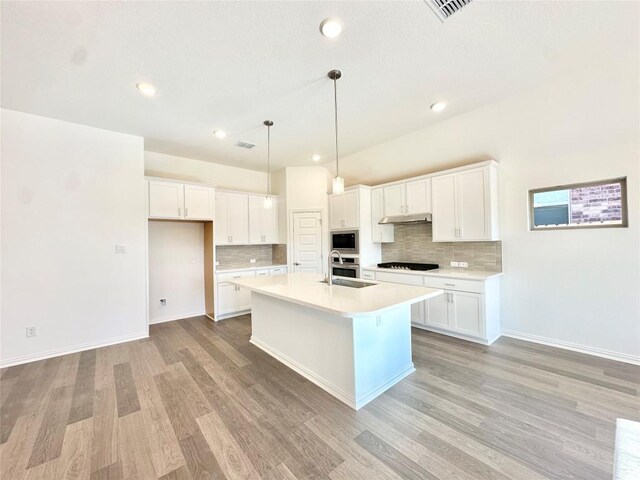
column 330, row 272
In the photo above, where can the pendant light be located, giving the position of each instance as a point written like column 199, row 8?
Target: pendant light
column 268, row 200
column 338, row 181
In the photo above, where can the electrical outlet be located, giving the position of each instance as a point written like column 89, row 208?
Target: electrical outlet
column 31, row 331
column 193, row 260
column 253, row 260
column 121, row 248
column 463, row 264
column 454, row 264
column 163, row 302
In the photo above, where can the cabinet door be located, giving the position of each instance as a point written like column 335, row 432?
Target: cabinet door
column 256, row 230
column 472, row 197
column 243, row 299
column 379, row 233
column 418, row 313
column 337, row 211
column 351, row 210
column 197, row 202
column 270, row 223
column 238, row 219
column 418, row 196
column 166, row 200
column 437, row 310
column 466, row 314
column 444, row 208
column 226, row 298
column 221, row 221
column 394, row 200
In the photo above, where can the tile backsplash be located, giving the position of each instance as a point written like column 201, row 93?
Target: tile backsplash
column 241, row 254
column 414, row 243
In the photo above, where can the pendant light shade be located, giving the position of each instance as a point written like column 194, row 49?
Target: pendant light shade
column 268, row 200
column 338, row 181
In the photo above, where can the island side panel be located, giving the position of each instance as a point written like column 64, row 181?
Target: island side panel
column 315, row 344
column 382, row 352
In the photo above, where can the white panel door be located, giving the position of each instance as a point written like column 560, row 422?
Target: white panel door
column 166, row 200
column 379, row 233
column 437, row 310
column 418, row 196
column 197, row 202
column 226, row 298
column 243, row 299
column 351, row 219
column 307, row 242
column 336, row 212
column 238, row 219
column 394, row 200
column 221, row 221
column 256, row 229
column 472, row 189
column 444, row 208
column 418, row 313
column 466, row 313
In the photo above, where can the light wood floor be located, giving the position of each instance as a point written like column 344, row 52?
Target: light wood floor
column 197, row 401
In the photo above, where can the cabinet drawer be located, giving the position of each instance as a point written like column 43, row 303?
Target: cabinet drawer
column 368, row 275
column 225, row 277
column 278, row 271
column 402, row 278
column 262, row 273
column 461, row 285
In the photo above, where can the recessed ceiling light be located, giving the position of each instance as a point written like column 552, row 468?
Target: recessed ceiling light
column 316, row 157
column 331, row 27
column 146, row 89
column 220, row 134
column 438, row 106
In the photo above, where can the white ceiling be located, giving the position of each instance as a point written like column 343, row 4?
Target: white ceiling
column 231, row 65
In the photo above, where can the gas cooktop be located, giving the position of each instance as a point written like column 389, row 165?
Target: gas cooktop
column 409, row 266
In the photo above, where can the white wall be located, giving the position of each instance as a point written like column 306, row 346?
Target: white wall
column 69, row 194
column 187, row 169
column 176, row 270
column 578, row 287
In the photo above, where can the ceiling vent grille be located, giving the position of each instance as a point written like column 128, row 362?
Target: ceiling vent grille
column 445, row 8
column 246, row 145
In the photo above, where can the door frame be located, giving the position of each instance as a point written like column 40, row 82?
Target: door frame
column 324, row 237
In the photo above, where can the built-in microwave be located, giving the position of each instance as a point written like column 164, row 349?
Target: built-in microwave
column 349, row 268
column 345, row 242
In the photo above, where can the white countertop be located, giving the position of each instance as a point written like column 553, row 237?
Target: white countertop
column 240, row 267
column 307, row 289
column 441, row 272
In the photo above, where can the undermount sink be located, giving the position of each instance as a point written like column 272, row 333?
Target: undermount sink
column 343, row 282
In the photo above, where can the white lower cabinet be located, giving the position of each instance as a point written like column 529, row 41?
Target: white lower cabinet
column 232, row 300
column 467, row 309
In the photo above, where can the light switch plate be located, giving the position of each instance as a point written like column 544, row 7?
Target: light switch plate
column 121, row 248
column 454, row 264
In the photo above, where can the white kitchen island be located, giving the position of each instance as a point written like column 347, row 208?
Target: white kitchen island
column 355, row 343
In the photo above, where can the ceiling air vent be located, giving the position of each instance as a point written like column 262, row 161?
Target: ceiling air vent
column 445, row 8
column 246, row 145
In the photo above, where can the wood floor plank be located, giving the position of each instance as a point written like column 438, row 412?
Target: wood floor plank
column 126, row 391
column 74, row 462
column 48, row 443
column 181, row 473
column 110, row 472
column 105, row 428
column 134, row 448
column 200, row 460
column 84, row 387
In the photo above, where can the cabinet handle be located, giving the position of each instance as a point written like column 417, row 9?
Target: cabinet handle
column 406, row 209
column 186, row 212
column 450, row 284
column 231, row 238
column 179, row 211
column 401, row 208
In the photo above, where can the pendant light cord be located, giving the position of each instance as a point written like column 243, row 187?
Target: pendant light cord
column 268, row 160
column 335, row 105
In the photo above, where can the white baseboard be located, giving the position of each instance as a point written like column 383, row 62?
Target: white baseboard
column 176, row 317
column 551, row 342
column 362, row 400
column 449, row 333
column 74, row 349
column 231, row 315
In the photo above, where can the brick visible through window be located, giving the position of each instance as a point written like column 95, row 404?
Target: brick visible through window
column 584, row 205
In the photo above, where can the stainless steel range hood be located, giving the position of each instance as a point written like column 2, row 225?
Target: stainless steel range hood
column 404, row 219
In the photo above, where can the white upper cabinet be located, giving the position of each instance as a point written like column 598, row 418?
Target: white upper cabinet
column 465, row 206
column 179, row 201
column 263, row 222
column 379, row 233
column 394, row 200
column 198, row 202
column 344, row 210
column 232, row 219
column 166, row 200
column 418, row 196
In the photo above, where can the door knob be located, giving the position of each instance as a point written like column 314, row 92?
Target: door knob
column 296, row 264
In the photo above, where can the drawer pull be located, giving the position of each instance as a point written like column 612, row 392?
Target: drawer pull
column 450, row 284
